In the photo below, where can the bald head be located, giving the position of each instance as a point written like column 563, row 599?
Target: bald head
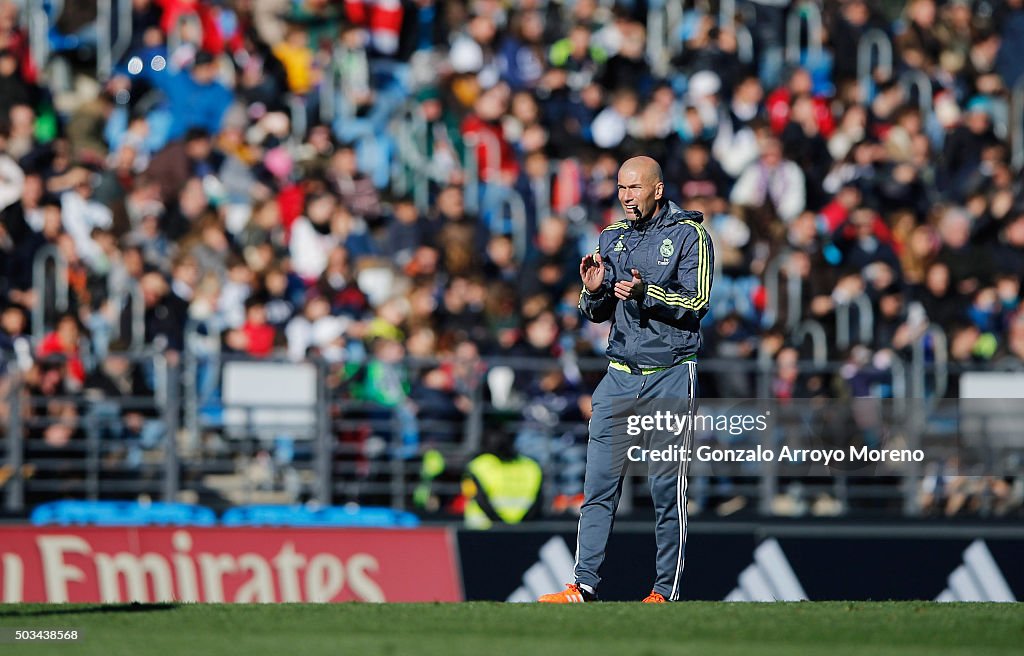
column 648, row 169
column 641, row 188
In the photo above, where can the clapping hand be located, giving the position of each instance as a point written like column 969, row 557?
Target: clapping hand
column 592, row 271
column 630, row 289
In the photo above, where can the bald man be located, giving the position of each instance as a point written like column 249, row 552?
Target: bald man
column 651, row 277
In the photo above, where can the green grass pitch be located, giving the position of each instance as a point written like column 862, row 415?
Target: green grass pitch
column 485, row 629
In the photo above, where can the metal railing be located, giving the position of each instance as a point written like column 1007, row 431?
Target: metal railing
column 1017, row 126
column 112, row 43
column 658, row 37
column 411, row 132
column 844, row 322
column 329, row 89
column 76, row 444
column 744, row 44
column 14, row 499
column 675, row 14
column 726, row 13
column 919, row 82
column 297, row 114
column 809, row 14
column 38, row 34
column 515, row 221
column 46, row 259
column 475, row 176
column 874, row 43
column 813, row 330
column 664, row 26
column 360, row 451
column 774, row 273
column 131, row 298
column 934, row 359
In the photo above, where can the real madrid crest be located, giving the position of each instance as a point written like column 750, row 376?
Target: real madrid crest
column 666, row 251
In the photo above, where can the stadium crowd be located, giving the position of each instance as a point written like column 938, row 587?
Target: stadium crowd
column 243, row 165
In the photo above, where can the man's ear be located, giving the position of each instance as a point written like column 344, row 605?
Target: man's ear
column 659, row 190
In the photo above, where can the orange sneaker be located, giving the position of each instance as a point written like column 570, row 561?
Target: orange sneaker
column 573, row 594
column 655, row 598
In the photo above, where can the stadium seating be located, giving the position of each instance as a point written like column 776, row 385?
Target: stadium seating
column 333, row 516
column 122, row 513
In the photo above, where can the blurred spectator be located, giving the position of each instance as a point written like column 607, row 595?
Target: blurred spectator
column 406, row 230
column 969, row 264
column 164, row 314
column 700, row 176
column 941, row 303
column 309, row 328
column 1010, row 61
column 311, row 238
column 81, row 214
column 355, row 189
column 496, row 161
column 255, row 337
column 14, row 90
column 49, row 387
column 611, row 125
column 191, row 157
column 197, row 99
column 552, row 434
column 280, row 306
column 127, row 428
column 772, row 181
column 15, row 348
column 461, row 237
column 963, row 147
column 438, row 415
column 862, row 240
column 522, row 55
column 63, row 349
column 628, row 68
column 338, row 285
column 472, row 50
column 298, row 59
column 578, row 55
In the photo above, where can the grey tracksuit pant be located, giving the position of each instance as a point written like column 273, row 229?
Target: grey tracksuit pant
column 620, row 395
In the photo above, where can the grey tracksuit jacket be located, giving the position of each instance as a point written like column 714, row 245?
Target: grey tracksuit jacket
column 675, row 258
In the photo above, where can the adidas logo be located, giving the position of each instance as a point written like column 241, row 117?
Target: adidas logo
column 549, row 574
column 768, row 578
column 978, row 579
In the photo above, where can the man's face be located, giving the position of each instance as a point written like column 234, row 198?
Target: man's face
column 771, row 153
column 204, row 73
column 8, row 65
column 977, row 122
column 68, row 331
column 32, row 190
column 639, row 192
column 450, row 203
column 345, row 162
column 696, row 158
column 198, row 149
column 84, row 188
column 12, row 321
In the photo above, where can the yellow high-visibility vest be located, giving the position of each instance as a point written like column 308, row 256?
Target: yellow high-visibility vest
column 511, row 486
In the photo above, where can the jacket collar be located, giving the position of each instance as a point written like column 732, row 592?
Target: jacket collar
column 672, row 213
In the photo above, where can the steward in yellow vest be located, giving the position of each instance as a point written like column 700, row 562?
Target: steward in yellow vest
column 501, row 486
